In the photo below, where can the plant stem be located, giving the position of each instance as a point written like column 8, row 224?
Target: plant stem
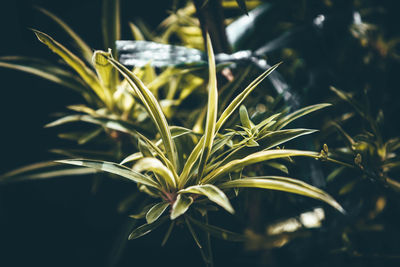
column 211, row 19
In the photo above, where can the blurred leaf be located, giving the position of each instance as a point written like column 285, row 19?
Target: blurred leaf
column 218, row 232
column 74, row 62
column 42, row 170
column 137, row 34
column 111, row 24
column 146, row 228
column 212, row 192
column 242, row 5
column 80, row 44
column 45, row 70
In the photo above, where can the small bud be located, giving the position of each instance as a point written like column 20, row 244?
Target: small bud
column 325, row 147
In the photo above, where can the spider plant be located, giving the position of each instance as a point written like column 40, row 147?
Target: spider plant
column 186, row 171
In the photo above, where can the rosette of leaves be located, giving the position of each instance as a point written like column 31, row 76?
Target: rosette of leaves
column 187, row 171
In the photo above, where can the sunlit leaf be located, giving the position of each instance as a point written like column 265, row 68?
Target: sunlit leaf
column 114, row 168
column 152, row 107
column 180, row 206
column 298, row 114
column 156, row 166
column 212, row 108
column 283, row 184
column 213, row 193
column 255, row 158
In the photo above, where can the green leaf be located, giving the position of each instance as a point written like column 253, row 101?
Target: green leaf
column 111, row 24
column 212, row 109
column 244, row 117
column 240, row 98
column 152, row 107
column 42, row 170
column 146, row 228
column 242, row 6
column 168, row 233
column 80, row 44
column 218, row 232
column 283, row 184
column 299, row 113
column 105, row 72
column 181, row 205
column 132, row 157
column 74, row 62
column 114, row 168
column 213, row 193
column 142, row 213
column 156, row 211
column 255, row 158
column 278, row 166
column 137, row 34
column 46, row 70
column 157, row 167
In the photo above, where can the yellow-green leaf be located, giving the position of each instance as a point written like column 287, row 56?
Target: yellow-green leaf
column 213, row 193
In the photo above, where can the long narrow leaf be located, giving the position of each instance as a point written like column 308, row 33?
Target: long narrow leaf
column 152, row 107
column 212, row 109
column 255, row 158
column 114, row 168
column 284, row 184
column 80, row 44
column 218, row 232
column 146, row 228
column 73, row 61
column 300, row 113
column 240, row 98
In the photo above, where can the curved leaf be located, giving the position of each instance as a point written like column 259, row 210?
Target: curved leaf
column 74, row 62
column 157, row 167
column 212, row 109
column 146, row 228
column 299, row 113
column 114, row 168
column 80, row 44
column 255, row 158
column 181, row 205
column 152, row 107
column 156, row 211
column 283, row 184
column 218, row 232
column 213, row 193
column 239, row 99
